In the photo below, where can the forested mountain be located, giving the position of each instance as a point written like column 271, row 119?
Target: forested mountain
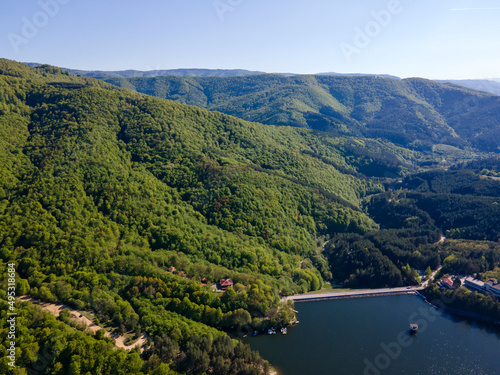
column 186, row 72
column 357, row 75
column 102, row 191
column 414, row 113
column 134, row 208
column 462, row 205
column 492, row 86
column 101, row 74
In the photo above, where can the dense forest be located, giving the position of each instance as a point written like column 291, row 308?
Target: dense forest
column 415, row 216
column 133, row 208
column 103, row 191
column 489, row 85
column 415, row 113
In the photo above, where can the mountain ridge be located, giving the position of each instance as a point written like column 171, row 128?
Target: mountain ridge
column 190, row 72
column 491, row 85
column 180, row 72
column 488, row 85
column 412, row 112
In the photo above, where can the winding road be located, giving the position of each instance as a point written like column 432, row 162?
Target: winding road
column 55, row 309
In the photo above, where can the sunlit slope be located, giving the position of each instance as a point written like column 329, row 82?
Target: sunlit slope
column 414, row 112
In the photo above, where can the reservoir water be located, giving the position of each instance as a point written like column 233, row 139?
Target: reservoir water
column 370, row 336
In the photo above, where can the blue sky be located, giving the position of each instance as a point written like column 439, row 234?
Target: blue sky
column 436, row 39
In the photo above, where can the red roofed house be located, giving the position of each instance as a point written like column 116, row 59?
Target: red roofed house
column 171, row 269
column 225, row 283
column 447, row 282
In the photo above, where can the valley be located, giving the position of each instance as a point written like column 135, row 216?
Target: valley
column 135, row 207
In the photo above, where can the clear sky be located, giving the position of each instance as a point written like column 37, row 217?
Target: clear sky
column 437, row 39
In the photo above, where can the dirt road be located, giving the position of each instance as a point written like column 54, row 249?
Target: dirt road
column 55, row 309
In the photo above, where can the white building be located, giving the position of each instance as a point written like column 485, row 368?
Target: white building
column 492, row 286
column 474, row 284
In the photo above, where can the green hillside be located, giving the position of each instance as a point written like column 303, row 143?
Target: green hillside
column 101, row 191
column 415, row 113
column 132, row 208
column 416, row 215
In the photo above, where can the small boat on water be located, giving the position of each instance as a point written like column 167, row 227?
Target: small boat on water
column 413, row 328
column 284, row 331
column 271, row 331
column 255, row 333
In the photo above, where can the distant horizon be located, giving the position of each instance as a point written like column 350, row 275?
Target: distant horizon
column 493, row 79
column 445, row 40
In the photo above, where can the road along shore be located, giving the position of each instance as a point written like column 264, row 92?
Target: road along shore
column 351, row 294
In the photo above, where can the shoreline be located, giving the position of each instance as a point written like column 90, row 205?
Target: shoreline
column 371, row 293
column 364, row 293
column 353, row 296
column 469, row 315
column 461, row 313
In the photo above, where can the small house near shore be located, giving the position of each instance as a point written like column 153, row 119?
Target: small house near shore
column 448, row 283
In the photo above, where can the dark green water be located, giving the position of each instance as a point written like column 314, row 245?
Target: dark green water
column 370, row 337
